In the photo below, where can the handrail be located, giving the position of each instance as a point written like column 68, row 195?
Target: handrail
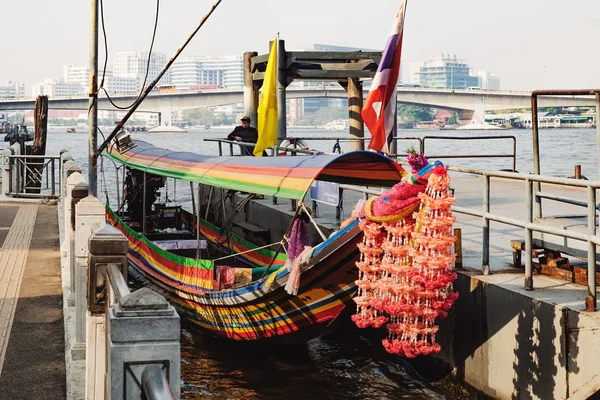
column 530, row 225
column 155, row 385
column 513, row 155
column 31, row 168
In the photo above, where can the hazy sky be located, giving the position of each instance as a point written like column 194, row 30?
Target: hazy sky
column 529, row 44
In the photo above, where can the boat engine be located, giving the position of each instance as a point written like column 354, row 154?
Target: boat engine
column 134, row 193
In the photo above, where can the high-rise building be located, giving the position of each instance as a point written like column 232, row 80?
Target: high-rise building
column 12, row 90
column 212, row 71
column 411, row 74
column 133, row 64
column 488, row 81
column 447, row 72
column 56, row 88
column 73, row 74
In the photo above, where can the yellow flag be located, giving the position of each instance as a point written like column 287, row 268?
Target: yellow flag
column 267, row 105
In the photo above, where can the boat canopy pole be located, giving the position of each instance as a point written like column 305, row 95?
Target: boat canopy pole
column 313, row 221
column 136, row 104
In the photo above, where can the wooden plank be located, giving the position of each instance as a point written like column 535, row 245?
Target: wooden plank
column 334, row 55
column 315, row 74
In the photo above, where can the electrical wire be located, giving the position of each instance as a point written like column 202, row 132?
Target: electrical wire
column 106, row 57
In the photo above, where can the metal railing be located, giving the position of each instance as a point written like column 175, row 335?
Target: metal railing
column 34, row 176
column 296, row 146
column 467, row 138
column 534, row 197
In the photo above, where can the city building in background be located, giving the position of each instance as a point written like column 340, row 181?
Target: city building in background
column 447, row 72
column 12, row 90
column 488, row 81
column 56, row 88
column 133, row 64
column 195, row 72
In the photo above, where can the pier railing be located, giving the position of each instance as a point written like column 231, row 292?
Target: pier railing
column 129, row 341
column 297, row 145
column 29, row 175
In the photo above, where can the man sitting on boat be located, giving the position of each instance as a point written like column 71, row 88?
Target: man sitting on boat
column 244, row 133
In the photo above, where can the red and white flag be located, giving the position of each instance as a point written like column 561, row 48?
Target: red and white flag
column 378, row 111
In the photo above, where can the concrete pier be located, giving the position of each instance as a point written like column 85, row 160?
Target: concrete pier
column 499, row 338
column 32, row 348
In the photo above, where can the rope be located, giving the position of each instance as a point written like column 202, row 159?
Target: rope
column 249, row 251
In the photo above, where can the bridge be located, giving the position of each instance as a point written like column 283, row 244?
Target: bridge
column 465, row 102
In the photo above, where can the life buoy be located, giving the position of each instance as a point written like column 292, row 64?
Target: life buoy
column 291, row 144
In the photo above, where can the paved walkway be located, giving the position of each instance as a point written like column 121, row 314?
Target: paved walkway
column 32, row 351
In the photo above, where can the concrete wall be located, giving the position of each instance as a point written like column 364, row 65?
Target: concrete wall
column 512, row 346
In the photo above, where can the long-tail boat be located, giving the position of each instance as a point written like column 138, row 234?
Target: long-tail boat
column 258, row 307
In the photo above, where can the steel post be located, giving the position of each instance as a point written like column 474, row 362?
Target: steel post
column 590, row 301
column 529, row 237
column 485, row 261
column 93, row 101
column 598, row 131
column 536, row 152
column 250, row 90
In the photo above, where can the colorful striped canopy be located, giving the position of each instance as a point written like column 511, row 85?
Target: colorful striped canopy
column 286, row 177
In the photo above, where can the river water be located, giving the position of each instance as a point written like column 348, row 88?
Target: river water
column 347, row 363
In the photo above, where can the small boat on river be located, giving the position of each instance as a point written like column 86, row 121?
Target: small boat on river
column 219, row 279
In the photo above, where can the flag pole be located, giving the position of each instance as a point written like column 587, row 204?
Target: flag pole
column 281, row 84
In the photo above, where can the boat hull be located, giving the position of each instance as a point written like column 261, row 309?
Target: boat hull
column 261, row 311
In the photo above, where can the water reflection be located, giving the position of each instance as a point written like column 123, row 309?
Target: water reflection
column 342, row 365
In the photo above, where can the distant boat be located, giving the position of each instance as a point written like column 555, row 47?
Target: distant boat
column 71, row 130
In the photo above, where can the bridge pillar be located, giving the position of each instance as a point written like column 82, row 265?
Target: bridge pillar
column 166, row 109
column 355, row 122
column 250, row 89
column 465, row 116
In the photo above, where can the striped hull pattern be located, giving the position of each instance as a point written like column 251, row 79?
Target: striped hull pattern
column 255, row 311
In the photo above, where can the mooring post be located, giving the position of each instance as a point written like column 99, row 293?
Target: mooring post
column 250, row 90
column 458, row 263
column 577, row 171
column 355, row 122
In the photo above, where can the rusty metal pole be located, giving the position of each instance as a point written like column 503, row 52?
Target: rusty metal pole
column 598, row 130
column 537, row 212
column 590, row 301
column 355, row 122
column 93, row 102
column 250, row 90
column 281, row 85
column 577, row 171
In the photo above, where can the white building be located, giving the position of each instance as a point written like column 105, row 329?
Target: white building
column 133, row 64
column 73, row 74
column 12, row 90
column 56, row 88
column 488, row 81
column 411, row 73
column 215, row 71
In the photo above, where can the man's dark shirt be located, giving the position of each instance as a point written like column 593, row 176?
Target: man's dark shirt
column 248, row 135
